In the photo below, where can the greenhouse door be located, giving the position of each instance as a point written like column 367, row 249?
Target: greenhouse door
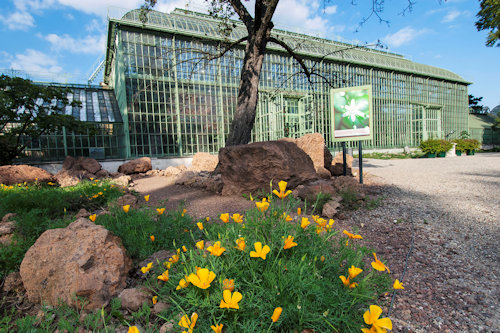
column 297, row 116
column 426, row 123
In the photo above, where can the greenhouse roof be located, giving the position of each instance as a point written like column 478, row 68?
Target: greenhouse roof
column 97, row 104
column 199, row 25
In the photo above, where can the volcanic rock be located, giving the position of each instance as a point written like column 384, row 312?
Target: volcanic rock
column 15, row 174
column 83, row 259
column 138, row 165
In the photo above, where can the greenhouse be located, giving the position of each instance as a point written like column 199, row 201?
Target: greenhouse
column 175, row 100
column 165, row 93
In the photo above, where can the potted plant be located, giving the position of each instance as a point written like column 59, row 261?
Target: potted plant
column 471, row 145
column 444, row 146
column 460, row 146
column 430, row 147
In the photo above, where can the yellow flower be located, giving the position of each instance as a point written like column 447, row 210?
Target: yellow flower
column 200, row 244
column 322, row 258
column 183, row 283
column 288, row 218
column 240, row 242
column 354, row 271
column 133, row 329
column 172, row 260
column 217, row 329
column 216, row 249
column 202, row 278
column 282, row 194
column 260, row 252
column 276, row 314
column 189, row 323
column 228, row 284
column 289, row 243
column 200, row 225
column 224, row 217
column 378, row 265
column 347, row 282
column 184, row 248
column 152, row 238
column 146, row 197
column 237, row 218
column 263, row 205
column 92, row 217
column 126, row 208
column 371, row 317
column 299, row 211
column 183, row 212
column 230, row 301
column 146, row 269
column 304, row 223
column 160, row 211
column 163, row 276
column 155, row 299
column 352, row 236
column 398, row 285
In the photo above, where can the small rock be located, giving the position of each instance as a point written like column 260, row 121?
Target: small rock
column 160, row 306
column 127, row 199
column 132, row 299
column 138, row 165
column 8, row 216
column 7, row 228
column 82, row 213
column 330, row 208
column 13, row 282
column 167, row 327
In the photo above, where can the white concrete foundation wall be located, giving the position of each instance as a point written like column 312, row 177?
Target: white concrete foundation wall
column 112, row 165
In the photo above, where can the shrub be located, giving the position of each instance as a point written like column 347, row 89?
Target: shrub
column 434, row 146
column 300, row 274
column 471, row 144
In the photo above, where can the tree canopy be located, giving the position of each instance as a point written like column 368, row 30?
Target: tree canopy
column 489, row 19
column 28, row 111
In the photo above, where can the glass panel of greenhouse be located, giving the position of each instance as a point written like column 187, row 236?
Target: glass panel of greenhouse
column 175, row 102
column 97, row 106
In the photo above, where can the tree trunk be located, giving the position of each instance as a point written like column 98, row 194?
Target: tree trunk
column 244, row 118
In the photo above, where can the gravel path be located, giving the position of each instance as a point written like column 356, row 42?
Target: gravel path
column 452, row 281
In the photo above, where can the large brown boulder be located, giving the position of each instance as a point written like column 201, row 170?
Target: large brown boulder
column 138, row 165
column 82, row 259
column 15, row 174
column 75, row 169
column 204, row 162
column 313, row 144
column 249, row 168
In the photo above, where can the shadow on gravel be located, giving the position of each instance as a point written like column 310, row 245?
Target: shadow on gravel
column 490, row 174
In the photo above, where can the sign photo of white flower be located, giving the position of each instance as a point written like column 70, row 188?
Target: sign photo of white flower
column 352, row 113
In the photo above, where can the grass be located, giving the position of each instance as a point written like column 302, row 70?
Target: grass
column 303, row 280
column 389, row 156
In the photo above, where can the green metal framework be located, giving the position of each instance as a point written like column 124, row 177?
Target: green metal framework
column 175, row 102
column 97, row 106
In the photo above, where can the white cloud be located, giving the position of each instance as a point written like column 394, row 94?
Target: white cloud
column 18, row 21
column 86, row 45
column 451, row 16
column 33, row 61
column 331, row 9
column 403, row 36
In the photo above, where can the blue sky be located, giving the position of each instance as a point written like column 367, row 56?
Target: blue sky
column 63, row 40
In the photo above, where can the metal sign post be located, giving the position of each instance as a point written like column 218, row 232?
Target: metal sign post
column 360, row 162
column 344, row 158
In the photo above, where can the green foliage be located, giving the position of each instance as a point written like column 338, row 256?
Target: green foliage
column 171, row 230
column 23, row 118
column 489, row 19
column 321, row 200
column 307, row 288
column 471, row 144
column 435, row 146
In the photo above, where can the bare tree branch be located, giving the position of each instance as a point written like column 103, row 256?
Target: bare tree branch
column 243, row 13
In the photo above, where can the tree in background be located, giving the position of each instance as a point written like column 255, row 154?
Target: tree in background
column 259, row 29
column 489, row 19
column 28, row 111
column 475, row 107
